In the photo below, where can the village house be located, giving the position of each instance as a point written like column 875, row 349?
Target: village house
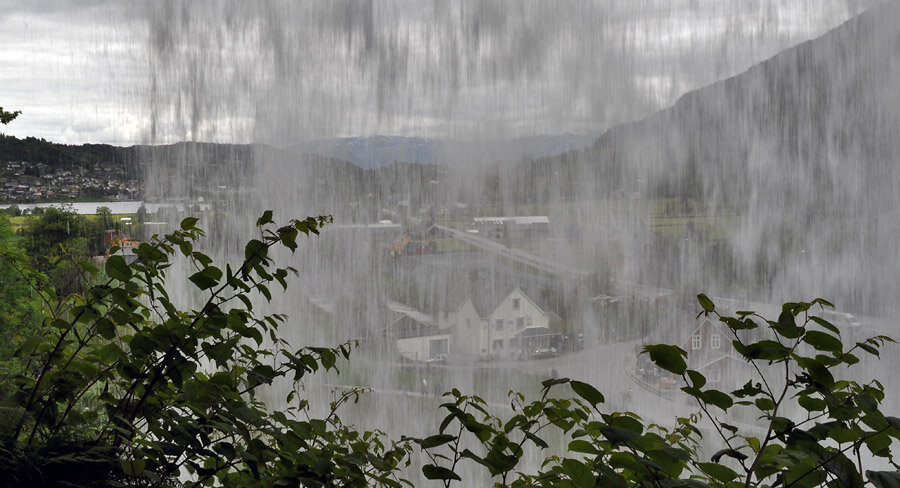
column 516, row 323
column 416, row 334
column 710, row 352
column 515, row 328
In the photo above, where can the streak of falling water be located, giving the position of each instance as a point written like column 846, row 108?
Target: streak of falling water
column 778, row 184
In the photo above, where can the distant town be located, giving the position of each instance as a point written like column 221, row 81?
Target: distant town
column 25, row 182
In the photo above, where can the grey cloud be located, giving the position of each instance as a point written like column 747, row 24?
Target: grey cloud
column 294, row 70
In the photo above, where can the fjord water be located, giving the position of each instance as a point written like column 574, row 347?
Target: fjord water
column 748, row 151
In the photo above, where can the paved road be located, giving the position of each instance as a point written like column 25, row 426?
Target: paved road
column 518, row 255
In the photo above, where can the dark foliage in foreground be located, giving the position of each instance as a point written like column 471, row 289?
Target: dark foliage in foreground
column 120, row 386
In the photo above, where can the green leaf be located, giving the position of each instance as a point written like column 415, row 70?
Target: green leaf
column 766, row 350
column 265, row 219
column 786, row 326
column 869, row 349
column 627, row 422
column 435, row 440
column 88, row 267
column 133, row 467
column 884, row 479
column 207, row 277
column 254, row 251
column 201, row 258
column 812, row 404
column 587, row 392
column 141, row 345
column 580, row 474
column 764, row 404
column 189, row 223
column 617, row 435
column 435, row 472
column 718, row 472
column 718, row 398
column 823, row 341
column 581, row 445
column 116, row 268
column 106, row 328
column 893, row 422
column 697, row 378
column 816, row 370
column 845, row 470
column 825, row 324
column 553, row 382
column 706, row 303
column 804, row 474
column 289, row 238
column 668, row 357
column 738, row 324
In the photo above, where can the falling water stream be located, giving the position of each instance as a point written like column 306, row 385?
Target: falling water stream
column 725, row 154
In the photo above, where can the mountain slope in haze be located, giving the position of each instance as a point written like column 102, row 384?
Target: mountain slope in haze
column 802, row 147
column 810, row 111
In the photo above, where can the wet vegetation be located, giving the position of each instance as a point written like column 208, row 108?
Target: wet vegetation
column 117, row 386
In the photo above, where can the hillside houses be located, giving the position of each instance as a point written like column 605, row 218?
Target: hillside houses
column 26, row 182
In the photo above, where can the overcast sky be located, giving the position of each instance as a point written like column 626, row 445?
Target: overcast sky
column 127, row 72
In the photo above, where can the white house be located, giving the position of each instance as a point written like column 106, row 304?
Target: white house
column 418, row 336
column 468, row 331
column 511, row 318
column 516, row 326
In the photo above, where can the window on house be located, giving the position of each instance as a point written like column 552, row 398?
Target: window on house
column 515, row 303
column 497, row 344
column 468, row 323
column 696, row 342
column 715, row 341
column 714, row 375
column 520, row 322
column 438, row 346
column 498, row 324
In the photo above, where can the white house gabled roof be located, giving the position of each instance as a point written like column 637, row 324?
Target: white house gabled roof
column 523, row 294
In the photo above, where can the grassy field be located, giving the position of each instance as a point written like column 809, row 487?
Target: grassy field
column 21, row 221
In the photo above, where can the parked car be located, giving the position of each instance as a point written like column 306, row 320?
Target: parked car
column 543, row 353
column 439, row 359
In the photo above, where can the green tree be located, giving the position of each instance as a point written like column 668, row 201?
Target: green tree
column 20, row 314
column 121, row 388
column 141, row 214
column 57, row 240
column 7, row 117
column 105, row 215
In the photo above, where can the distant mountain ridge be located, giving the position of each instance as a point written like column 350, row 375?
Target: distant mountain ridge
column 366, row 152
column 380, row 150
